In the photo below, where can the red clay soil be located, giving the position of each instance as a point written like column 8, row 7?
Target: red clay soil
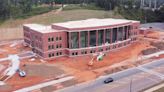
column 116, row 56
column 19, row 82
column 78, row 66
column 153, row 34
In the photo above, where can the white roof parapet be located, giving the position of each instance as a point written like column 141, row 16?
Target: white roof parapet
column 40, row 28
column 93, row 23
column 79, row 24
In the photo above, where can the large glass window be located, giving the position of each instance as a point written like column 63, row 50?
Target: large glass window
column 100, row 37
column 114, row 35
column 92, row 38
column 84, row 39
column 74, row 40
column 120, row 33
column 125, row 32
column 107, row 35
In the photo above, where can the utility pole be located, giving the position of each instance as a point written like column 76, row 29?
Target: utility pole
column 155, row 4
column 150, row 4
column 141, row 4
column 130, row 90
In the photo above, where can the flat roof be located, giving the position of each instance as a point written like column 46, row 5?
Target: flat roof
column 40, row 28
column 93, row 23
column 88, row 23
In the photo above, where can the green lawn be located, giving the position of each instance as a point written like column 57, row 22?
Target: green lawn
column 68, row 15
column 9, row 27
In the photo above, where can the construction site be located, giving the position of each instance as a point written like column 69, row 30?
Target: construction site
column 20, row 67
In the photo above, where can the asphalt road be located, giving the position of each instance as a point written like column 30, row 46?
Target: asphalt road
column 154, row 25
column 122, row 80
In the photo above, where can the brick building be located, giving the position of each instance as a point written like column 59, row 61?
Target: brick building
column 84, row 37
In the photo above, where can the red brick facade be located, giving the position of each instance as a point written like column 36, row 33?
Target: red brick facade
column 58, row 43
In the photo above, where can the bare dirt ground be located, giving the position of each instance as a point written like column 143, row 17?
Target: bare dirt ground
column 39, row 71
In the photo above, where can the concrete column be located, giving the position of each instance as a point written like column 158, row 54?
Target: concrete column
column 117, row 34
column 123, row 33
column 111, row 35
column 88, row 38
column 79, row 39
column 127, row 33
column 69, row 40
column 104, row 36
column 96, row 37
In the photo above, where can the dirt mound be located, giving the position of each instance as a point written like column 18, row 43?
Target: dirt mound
column 149, row 51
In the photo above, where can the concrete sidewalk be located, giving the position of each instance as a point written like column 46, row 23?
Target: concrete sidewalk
column 158, row 87
column 41, row 85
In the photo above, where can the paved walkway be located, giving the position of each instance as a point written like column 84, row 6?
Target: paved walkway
column 155, row 88
column 38, row 86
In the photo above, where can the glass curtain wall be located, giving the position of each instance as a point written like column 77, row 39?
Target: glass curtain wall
column 68, row 40
column 92, row 38
column 84, row 39
column 74, row 40
column 120, row 33
column 114, row 35
column 100, row 37
column 107, row 35
column 129, row 28
column 125, row 32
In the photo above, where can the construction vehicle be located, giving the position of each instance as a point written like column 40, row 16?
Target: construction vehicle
column 97, row 57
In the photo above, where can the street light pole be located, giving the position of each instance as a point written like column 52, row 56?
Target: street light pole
column 131, row 84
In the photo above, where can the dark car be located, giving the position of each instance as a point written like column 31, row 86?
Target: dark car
column 108, row 80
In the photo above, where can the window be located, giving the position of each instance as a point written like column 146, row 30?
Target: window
column 125, row 32
column 49, row 55
column 84, row 39
column 107, row 35
column 57, row 46
column 107, row 48
column 85, row 52
column 74, row 40
column 49, row 39
column 92, row 38
column 52, row 54
column 114, row 35
column 57, row 54
column 100, row 37
column 120, row 33
column 60, row 53
column 92, row 51
column 76, row 53
column 52, row 39
column 60, row 38
column 57, row 38
column 49, row 47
